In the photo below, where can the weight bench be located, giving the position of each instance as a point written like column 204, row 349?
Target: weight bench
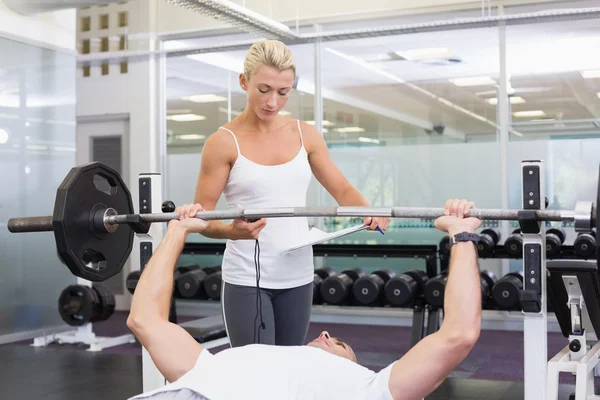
column 208, row 331
column 574, row 292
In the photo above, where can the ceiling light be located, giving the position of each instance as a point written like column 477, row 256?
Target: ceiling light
column 3, row 136
column 185, row 111
column 590, row 74
column 205, row 98
column 238, row 16
column 323, row 123
column 350, row 129
column 598, row 94
column 191, row 136
column 474, row 81
column 533, row 113
column 368, row 140
column 513, row 100
column 186, row 117
column 283, row 112
column 424, row 54
column 226, row 111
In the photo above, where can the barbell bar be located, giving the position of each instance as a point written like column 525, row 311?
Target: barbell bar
column 44, row 224
column 93, row 220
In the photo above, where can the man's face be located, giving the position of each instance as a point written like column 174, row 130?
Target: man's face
column 333, row 346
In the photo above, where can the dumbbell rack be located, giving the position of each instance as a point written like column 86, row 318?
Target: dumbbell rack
column 84, row 334
column 426, row 319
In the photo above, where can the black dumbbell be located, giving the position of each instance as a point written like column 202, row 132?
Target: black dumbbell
column 79, row 304
column 435, row 289
column 337, row 289
column 585, row 244
column 506, row 292
column 555, row 238
column 404, row 289
column 212, row 285
column 488, row 239
column 190, row 285
column 444, row 245
column 368, row 290
column 132, row 280
column 107, row 302
column 320, row 275
column 513, row 245
column 317, row 281
column 325, row 272
column 488, row 280
column 182, row 269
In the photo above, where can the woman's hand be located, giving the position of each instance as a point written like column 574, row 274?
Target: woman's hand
column 240, row 229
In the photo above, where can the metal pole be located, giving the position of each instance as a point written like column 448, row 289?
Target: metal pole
column 503, row 132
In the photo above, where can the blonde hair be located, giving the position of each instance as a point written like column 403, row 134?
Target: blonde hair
column 272, row 53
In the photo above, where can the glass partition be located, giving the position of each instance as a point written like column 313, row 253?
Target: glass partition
column 37, row 150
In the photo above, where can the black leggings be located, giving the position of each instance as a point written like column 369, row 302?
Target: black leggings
column 285, row 313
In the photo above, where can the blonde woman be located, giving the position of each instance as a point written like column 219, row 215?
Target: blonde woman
column 262, row 159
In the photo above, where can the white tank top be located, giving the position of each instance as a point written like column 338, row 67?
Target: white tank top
column 252, row 185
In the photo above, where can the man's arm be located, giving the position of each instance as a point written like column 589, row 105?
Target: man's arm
column 171, row 347
column 428, row 363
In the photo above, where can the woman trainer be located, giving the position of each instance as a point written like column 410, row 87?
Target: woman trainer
column 259, row 160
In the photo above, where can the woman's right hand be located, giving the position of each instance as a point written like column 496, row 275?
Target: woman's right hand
column 240, row 229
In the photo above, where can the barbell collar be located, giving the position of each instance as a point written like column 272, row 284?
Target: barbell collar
column 583, row 216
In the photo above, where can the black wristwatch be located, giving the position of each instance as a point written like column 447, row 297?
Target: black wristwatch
column 464, row 237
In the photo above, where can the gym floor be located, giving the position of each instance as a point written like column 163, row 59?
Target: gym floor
column 62, row 372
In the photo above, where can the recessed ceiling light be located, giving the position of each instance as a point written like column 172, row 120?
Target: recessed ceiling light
column 513, row 100
column 350, row 129
column 3, row 136
column 474, row 81
column 598, row 94
column 590, row 74
column 324, row 123
column 368, row 140
column 186, row 117
column 424, row 54
column 533, row 113
column 205, row 98
column 191, row 136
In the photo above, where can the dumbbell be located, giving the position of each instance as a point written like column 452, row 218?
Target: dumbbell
column 444, row 245
column 488, row 281
column 513, row 245
column 555, row 238
column 132, row 280
column 212, row 285
column 190, row 285
column 585, row 244
column 488, row 239
column 507, row 291
column 320, row 275
column 404, row 289
column 337, row 289
column 369, row 289
column 80, row 304
column 434, row 290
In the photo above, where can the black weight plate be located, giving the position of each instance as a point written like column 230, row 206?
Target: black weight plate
column 94, row 256
column 76, row 305
column 212, row 285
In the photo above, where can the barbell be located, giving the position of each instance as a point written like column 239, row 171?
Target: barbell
column 94, row 222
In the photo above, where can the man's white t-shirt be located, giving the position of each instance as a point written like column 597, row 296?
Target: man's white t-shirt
column 267, row 372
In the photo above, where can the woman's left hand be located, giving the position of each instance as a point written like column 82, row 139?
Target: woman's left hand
column 373, row 223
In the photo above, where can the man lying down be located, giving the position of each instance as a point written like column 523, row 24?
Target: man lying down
column 324, row 369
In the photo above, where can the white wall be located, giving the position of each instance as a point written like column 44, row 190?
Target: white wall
column 55, row 29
